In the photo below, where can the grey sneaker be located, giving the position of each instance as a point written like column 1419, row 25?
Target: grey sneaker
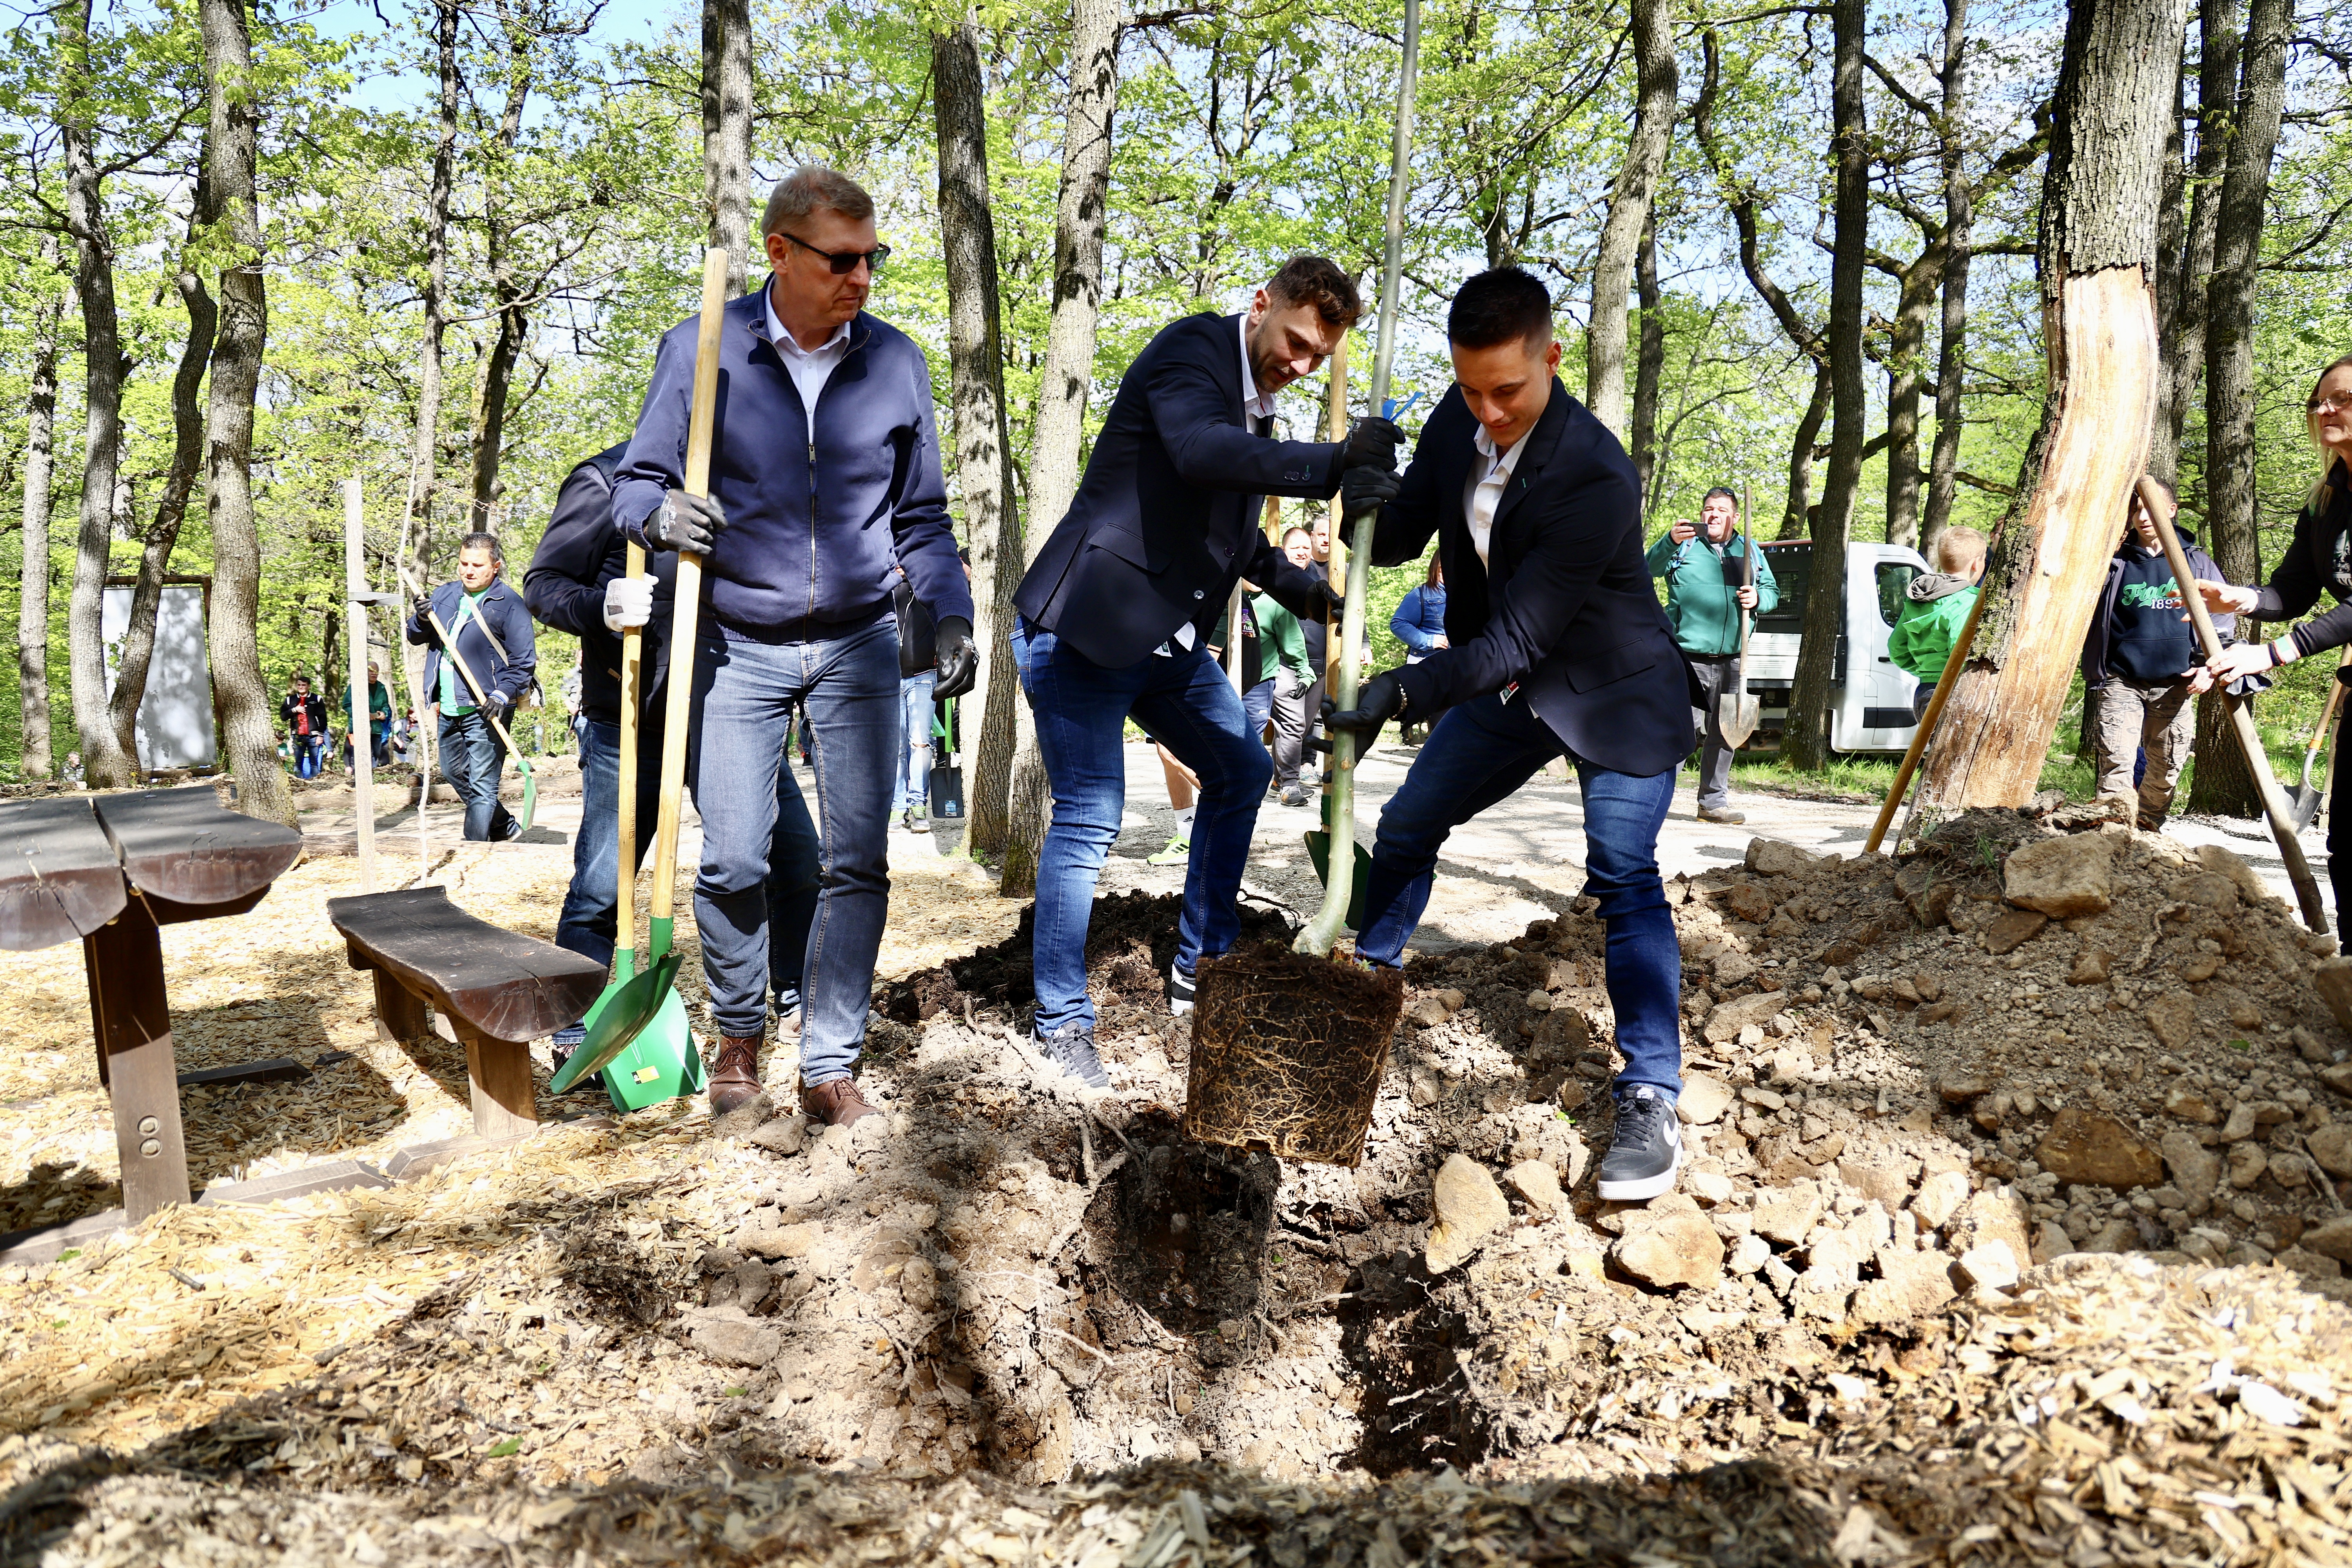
column 1645, row 1149
column 1180, row 991
column 1072, row 1049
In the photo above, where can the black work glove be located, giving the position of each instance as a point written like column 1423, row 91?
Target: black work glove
column 1380, row 700
column 1371, row 443
column 959, row 661
column 497, row 704
column 687, row 522
column 1365, row 489
column 1325, row 604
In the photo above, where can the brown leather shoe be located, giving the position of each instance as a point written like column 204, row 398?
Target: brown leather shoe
column 735, row 1076
column 836, row 1103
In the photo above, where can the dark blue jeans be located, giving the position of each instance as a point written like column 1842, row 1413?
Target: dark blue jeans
column 590, row 907
column 1475, row 755
column 309, row 751
column 1081, row 706
column 472, row 757
column 745, row 695
column 914, row 791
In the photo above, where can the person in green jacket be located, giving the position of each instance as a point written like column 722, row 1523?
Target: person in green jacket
column 1706, row 566
column 1280, row 697
column 1937, row 607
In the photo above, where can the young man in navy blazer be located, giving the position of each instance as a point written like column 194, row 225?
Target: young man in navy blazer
column 1557, row 646
column 1116, row 609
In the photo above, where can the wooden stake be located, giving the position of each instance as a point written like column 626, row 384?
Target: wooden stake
column 355, row 596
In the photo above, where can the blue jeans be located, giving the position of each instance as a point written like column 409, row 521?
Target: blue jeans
column 1189, row 706
column 472, row 757
column 744, row 694
column 590, row 906
column 1257, row 708
column 310, row 752
column 914, row 791
column 1478, row 754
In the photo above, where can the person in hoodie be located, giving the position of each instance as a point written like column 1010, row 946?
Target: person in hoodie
column 2141, row 665
column 1937, row 606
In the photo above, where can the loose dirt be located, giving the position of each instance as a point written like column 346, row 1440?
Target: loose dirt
column 2008, row 1235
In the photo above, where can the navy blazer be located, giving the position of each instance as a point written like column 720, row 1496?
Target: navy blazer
column 500, row 610
column 1566, row 610
column 1166, row 520
column 564, row 588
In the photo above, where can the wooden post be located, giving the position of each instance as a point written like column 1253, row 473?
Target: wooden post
column 124, row 959
column 355, row 590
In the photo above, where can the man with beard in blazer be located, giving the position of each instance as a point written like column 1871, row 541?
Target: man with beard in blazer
column 1557, row 647
column 1116, row 609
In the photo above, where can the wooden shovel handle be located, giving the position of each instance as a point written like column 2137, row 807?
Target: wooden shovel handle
column 687, row 602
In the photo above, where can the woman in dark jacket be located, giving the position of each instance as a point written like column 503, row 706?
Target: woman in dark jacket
column 1420, row 622
column 2319, row 557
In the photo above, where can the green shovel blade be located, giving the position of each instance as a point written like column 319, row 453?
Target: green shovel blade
column 1318, row 850
column 620, row 1016
column 529, row 796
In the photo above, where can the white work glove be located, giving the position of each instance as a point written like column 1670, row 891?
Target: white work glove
column 628, row 603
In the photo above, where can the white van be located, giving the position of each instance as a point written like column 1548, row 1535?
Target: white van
column 1869, row 709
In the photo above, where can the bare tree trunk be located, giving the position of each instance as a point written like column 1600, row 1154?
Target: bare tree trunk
column 984, row 465
column 1797, row 516
column 727, row 132
column 2224, row 783
column 1650, row 358
column 423, row 457
column 1806, row 743
column 105, row 762
column 2181, row 320
column 1629, row 210
column 2095, row 258
column 1944, row 459
column 187, row 456
column 1905, row 362
column 35, row 761
column 2171, row 243
column 241, row 694
column 498, row 368
column 1066, row 378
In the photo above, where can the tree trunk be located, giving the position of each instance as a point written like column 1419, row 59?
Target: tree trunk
column 2095, row 259
column 2224, row 784
column 727, row 132
column 34, row 759
column 187, row 456
column 1067, row 377
column 983, row 469
column 1906, row 362
column 423, row 457
column 106, row 764
column 1807, row 741
column 1629, row 210
column 1798, row 514
column 1650, row 359
column 239, row 692
column 1944, row 460
column 498, row 368
column 2180, row 320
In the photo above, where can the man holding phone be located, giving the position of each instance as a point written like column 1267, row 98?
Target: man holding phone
column 1714, row 578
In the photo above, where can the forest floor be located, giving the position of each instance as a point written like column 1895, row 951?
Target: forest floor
column 2009, row 1234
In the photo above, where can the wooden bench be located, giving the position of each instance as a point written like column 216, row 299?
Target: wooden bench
column 499, row 991
column 113, row 871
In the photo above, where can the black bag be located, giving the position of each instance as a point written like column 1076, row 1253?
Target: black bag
column 947, row 792
column 918, row 633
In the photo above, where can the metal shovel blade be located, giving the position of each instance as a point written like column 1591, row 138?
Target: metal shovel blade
column 620, row 1016
column 2304, row 800
column 1738, row 717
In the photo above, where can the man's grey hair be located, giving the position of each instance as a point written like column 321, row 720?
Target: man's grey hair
column 809, row 187
column 488, row 542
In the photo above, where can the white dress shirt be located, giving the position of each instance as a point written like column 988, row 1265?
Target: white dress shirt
column 810, row 368
column 1484, row 492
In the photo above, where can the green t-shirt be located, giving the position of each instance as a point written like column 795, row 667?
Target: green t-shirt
column 455, row 697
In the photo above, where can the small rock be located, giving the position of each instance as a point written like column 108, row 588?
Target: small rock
column 1426, row 1011
column 2173, row 1019
column 2199, row 967
column 2332, row 980
column 2051, row 1240
column 1747, row 901
column 1712, row 1188
column 2209, row 888
column 1939, row 1198
column 2067, row 875
column 1724, row 1022
column 2310, row 1265
column 1748, row 1254
column 2333, row 1239
column 2091, row 966
column 1991, row 1266
column 2098, row 1151
column 1539, row 1000
column 2241, row 1125
column 2244, row 1014
column 2196, row 1170
column 779, row 1241
column 1915, row 1285
column 1573, row 1093
column 2012, row 929
column 919, row 1282
column 2332, row 1146
column 1776, row 858
column 1928, row 895
column 2246, row 1163
column 736, row 1341
column 1884, row 1179
column 1452, row 1000
column 1670, row 1248
column 1704, row 1100
column 2337, row 1078
column 2190, row 1106
column 2115, row 1236
column 1787, row 1215
column 784, row 1135
column 2230, row 864
column 1537, row 1183
column 1960, row 1087
column 1468, row 1208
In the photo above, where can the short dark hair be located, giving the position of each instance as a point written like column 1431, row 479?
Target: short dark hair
column 480, row 541
column 1723, row 490
column 301, row 680
column 1504, row 305
column 1317, row 281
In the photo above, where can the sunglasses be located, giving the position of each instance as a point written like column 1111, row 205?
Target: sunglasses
column 843, row 262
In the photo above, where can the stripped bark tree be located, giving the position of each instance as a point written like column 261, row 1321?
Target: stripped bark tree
column 976, row 395
column 424, row 455
column 506, row 292
column 1960, row 213
column 2096, row 261
column 1058, row 433
column 2224, row 783
column 2185, row 256
column 1806, row 741
column 230, row 141
column 1650, row 358
column 727, row 132
column 35, row 761
column 1629, row 210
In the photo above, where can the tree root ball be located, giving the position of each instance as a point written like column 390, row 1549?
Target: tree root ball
column 1287, row 1052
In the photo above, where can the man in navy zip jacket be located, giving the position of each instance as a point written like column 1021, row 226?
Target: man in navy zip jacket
column 1118, row 607
column 577, row 583
column 497, row 647
column 825, row 472
column 1557, row 646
